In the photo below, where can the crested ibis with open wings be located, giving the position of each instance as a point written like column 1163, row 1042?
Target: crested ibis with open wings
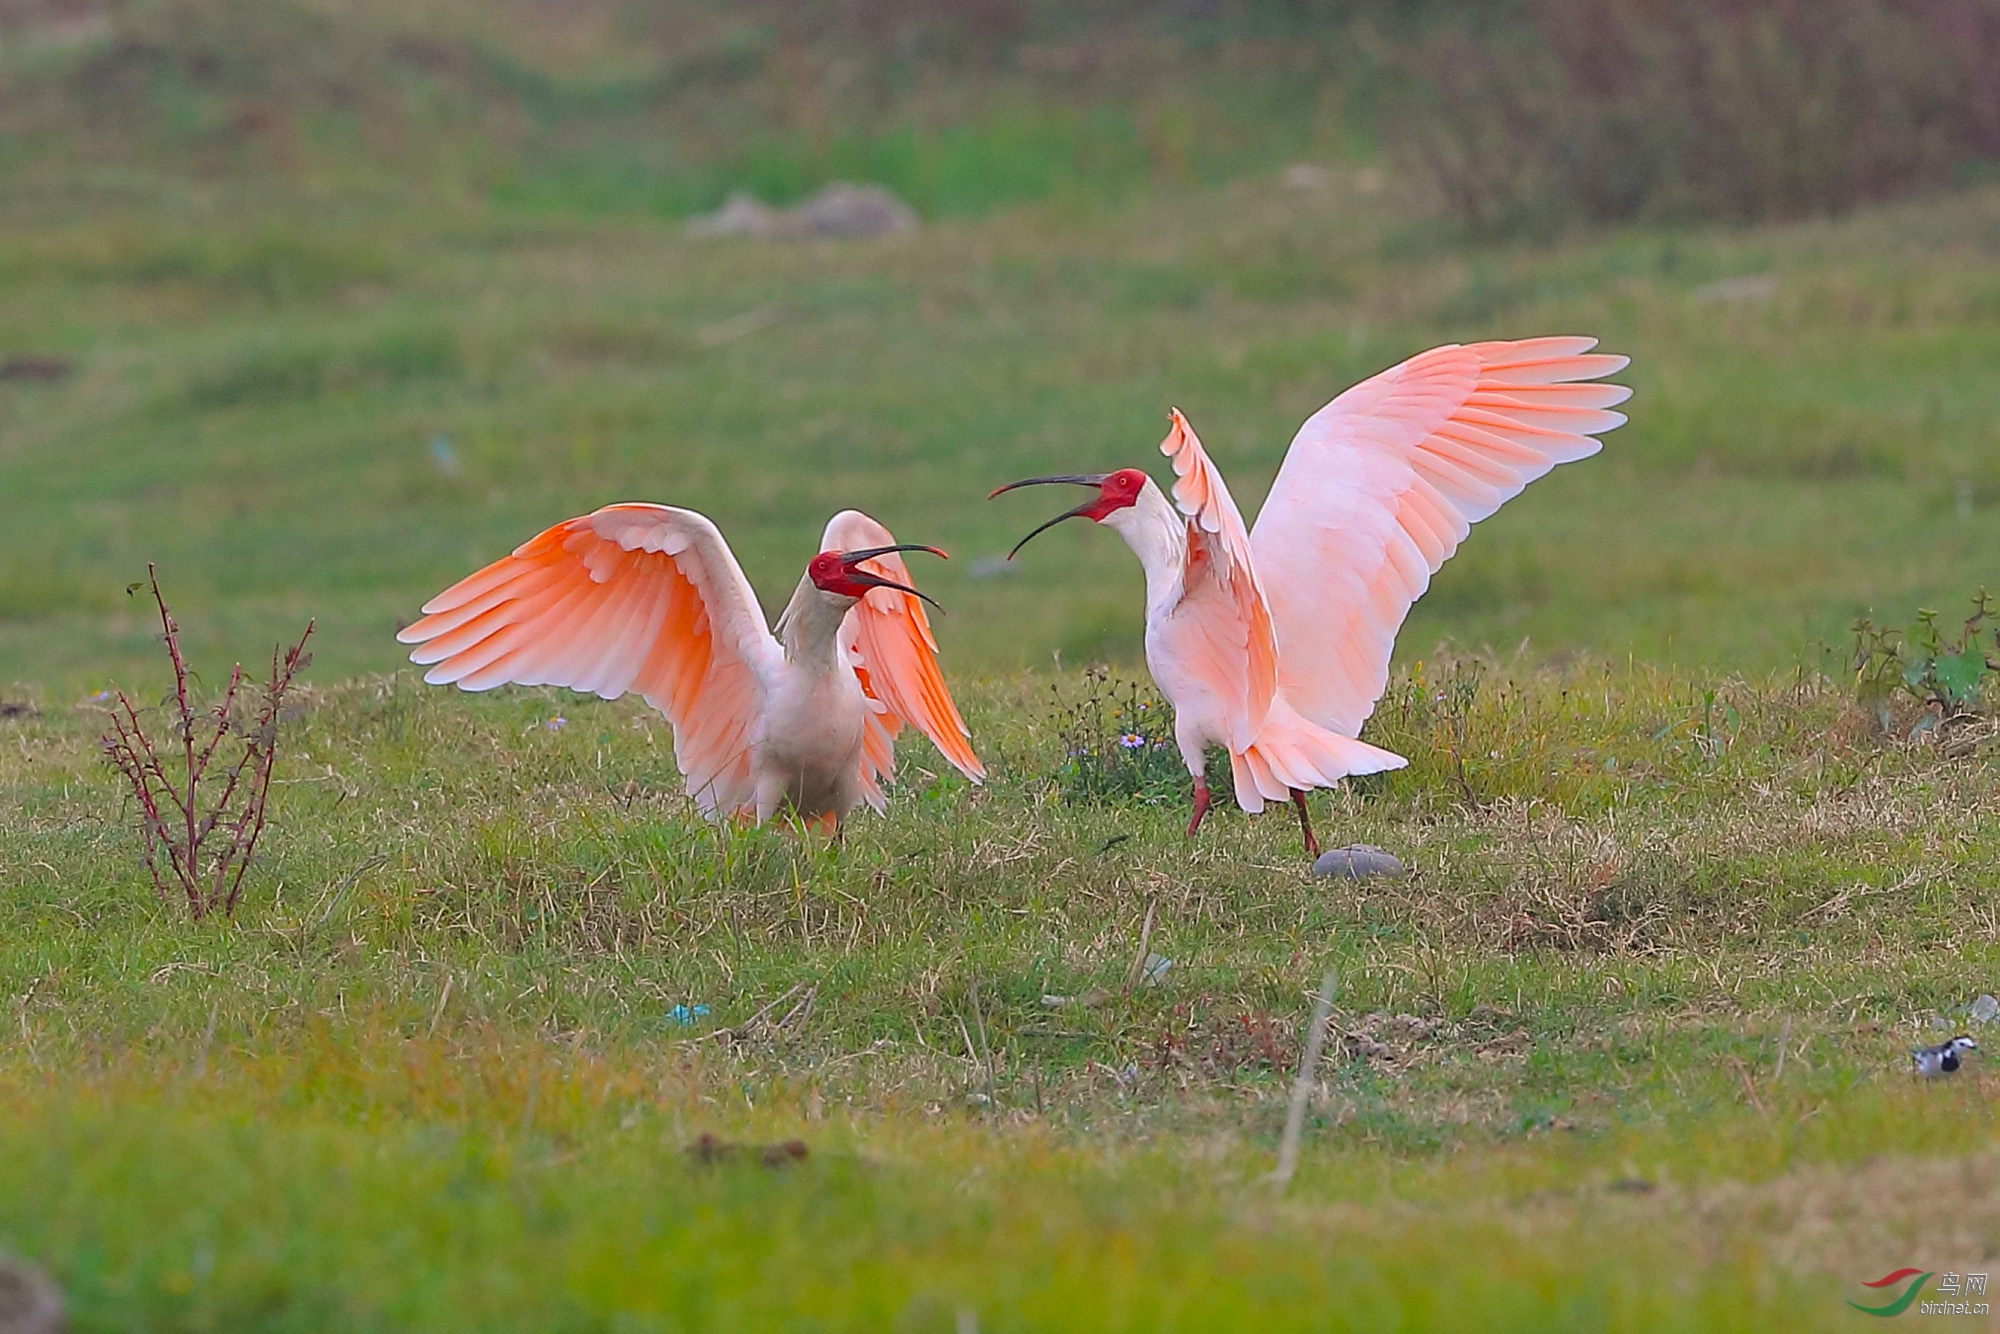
column 1274, row 641
column 650, row 598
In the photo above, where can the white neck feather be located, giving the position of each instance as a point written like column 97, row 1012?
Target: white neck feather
column 809, row 626
column 1157, row 534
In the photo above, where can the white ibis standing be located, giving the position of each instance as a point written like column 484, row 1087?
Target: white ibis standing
column 1274, row 642
column 650, row 598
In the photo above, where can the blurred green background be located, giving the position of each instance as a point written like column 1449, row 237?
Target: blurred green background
column 319, row 305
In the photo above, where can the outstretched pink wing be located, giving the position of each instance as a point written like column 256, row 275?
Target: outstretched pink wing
column 630, row 597
column 1228, row 639
column 887, row 640
column 1382, row 484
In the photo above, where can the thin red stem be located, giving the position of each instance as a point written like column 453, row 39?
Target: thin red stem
column 188, row 850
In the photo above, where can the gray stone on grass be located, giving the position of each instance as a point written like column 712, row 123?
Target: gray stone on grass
column 30, row 1301
column 841, row 208
column 742, row 214
column 1359, row 862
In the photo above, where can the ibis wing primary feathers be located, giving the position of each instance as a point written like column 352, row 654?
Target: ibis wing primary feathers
column 887, row 641
column 647, row 598
column 1382, row 484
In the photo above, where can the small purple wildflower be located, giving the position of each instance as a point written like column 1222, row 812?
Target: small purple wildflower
column 557, row 723
column 1132, row 741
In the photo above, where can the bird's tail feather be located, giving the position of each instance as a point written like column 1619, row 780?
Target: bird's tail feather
column 1293, row 752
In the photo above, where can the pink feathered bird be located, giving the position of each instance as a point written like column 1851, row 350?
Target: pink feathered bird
column 1273, row 641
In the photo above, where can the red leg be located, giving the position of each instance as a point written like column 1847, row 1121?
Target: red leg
column 1305, row 823
column 1201, row 800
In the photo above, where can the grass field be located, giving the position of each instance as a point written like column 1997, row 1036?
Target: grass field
column 1627, row 1051
column 257, row 398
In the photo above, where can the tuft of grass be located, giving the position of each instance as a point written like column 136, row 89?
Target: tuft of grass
column 1116, row 740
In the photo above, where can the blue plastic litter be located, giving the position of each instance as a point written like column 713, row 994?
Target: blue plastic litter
column 683, row 1014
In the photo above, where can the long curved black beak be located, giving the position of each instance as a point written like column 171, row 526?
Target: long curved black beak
column 1074, row 479
column 852, row 561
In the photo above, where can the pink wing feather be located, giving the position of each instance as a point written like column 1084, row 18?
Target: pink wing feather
column 1237, row 651
column 1382, row 484
column 887, row 640
column 630, row 597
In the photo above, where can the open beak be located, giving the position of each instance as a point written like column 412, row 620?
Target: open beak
column 851, row 562
column 1074, row 479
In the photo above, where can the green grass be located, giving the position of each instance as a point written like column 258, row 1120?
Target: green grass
column 429, row 1079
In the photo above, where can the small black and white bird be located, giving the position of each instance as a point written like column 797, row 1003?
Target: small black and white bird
column 1943, row 1059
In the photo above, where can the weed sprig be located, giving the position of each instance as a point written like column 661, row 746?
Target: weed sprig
column 1118, row 746
column 1945, row 677
column 181, row 815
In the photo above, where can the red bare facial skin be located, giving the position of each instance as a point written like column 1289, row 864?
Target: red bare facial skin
column 1120, row 490
column 830, row 576
column 1115, row 491
column 840, row 572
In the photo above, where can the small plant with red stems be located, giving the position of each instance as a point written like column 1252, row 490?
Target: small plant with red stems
column 200, row 812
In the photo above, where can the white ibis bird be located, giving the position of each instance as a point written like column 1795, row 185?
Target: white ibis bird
column 1274, row 642
column 650, row 598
